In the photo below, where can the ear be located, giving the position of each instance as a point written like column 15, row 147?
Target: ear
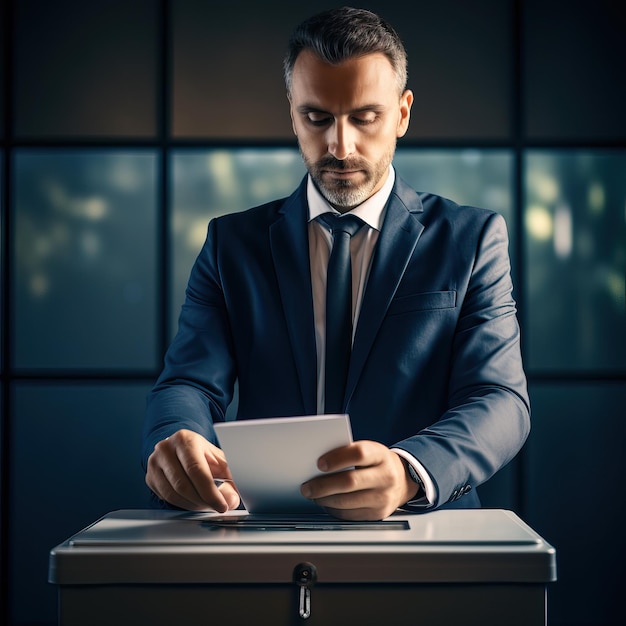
column 406, row 101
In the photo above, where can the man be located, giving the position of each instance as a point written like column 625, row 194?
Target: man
column 435, row 388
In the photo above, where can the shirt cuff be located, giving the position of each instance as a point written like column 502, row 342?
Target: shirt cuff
column 430, row 492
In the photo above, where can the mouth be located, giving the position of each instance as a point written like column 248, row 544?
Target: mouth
column 342, row 173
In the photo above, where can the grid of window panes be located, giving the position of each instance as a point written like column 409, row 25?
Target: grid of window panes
column 85, row 236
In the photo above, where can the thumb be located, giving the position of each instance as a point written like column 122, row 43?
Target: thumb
column 230, row 494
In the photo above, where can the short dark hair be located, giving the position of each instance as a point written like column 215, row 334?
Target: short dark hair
column 340, row 34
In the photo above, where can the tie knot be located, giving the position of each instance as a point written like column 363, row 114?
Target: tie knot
column 344, row 223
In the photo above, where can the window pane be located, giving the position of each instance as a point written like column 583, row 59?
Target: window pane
column 75, row 456
column 459, row 69
column 574, row 67
column 85, row 259
column 86, row 68
column 575, row 485
column 482, row 178
column 227, row 68
column 208, row 183
column 575, row 250
column 460, row 66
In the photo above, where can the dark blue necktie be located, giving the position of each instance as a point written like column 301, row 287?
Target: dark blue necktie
column 338, row 309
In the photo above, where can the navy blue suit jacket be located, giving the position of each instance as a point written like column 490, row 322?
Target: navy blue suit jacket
column 436, row 366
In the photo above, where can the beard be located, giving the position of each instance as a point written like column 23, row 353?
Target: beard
column 342, row 193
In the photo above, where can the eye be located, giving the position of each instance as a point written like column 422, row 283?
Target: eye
column 317, row 119
column 364, row 118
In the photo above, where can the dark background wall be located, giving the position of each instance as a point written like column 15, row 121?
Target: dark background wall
column 107, row 107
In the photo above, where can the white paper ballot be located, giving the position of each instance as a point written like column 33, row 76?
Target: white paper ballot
column 271, row 458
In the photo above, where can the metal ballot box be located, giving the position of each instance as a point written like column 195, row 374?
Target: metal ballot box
column 470, row 567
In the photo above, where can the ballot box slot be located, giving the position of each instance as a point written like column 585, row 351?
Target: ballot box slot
column 298, row 525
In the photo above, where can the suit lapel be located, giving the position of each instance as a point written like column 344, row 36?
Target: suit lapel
column 289, row 243
column 396, row 243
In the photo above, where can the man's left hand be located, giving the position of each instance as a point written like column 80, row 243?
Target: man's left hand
column 362, row 481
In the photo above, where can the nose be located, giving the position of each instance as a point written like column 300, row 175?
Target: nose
column 341, row 140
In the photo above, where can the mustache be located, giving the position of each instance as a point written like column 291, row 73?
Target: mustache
column 331, row 162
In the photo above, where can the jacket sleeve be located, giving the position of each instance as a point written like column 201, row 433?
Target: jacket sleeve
column 197, row 381
column 488, row 411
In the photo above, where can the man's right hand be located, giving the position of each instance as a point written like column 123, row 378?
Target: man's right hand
column 182, row 470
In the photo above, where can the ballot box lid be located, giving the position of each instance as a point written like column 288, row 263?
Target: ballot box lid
column 450, row 546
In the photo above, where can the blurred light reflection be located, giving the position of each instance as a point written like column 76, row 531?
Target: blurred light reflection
column 576, row 309
column 597, row 198
column 85, row 258
column 539, row 222
column 563, row 231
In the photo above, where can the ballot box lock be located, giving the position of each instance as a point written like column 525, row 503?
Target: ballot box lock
column 304, row 575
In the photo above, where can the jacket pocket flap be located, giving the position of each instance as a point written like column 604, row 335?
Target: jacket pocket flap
column 423, row 302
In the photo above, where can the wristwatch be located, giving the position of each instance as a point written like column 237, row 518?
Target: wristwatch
column 414, row 476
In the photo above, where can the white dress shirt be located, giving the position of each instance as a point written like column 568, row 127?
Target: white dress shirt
column 362, row 244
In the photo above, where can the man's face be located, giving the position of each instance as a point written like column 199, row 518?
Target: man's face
column 347, row 118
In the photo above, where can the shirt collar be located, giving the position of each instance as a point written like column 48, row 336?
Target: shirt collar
column 371, row 211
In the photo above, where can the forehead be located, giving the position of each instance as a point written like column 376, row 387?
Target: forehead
column 369, row 79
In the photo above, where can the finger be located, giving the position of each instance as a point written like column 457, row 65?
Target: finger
column 357, row 454
column 373, row 491
column 218, row 465
column 230, row 494
column 347, row 481
column 376, row 499
column 159, row 479
column 368, row 504
column 169, row 479
column 349, row 489
column 195, row 460
column 161, row 486
column 179, row 470
column 360, row 479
